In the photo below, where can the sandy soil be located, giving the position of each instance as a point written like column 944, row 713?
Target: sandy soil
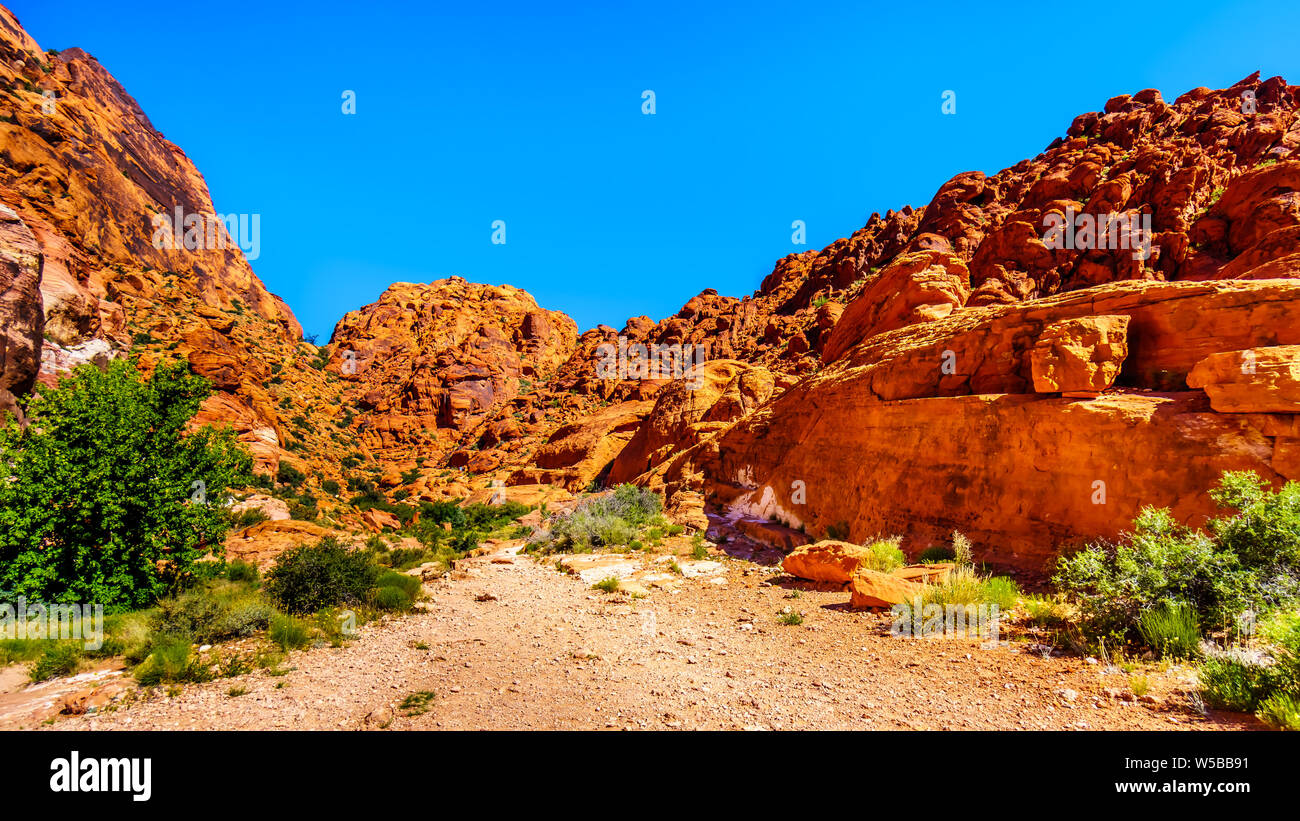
column 514, row 644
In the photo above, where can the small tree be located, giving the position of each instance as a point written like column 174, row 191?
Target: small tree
column 104, row 498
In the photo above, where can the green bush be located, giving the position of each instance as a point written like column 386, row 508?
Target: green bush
column 170, row 662
column 1231, row 683
column 390, row 598
column 1001, row 591
column 410, row 585
column 1281, row 711
column 289, row 632
column 1171, row 630
column 885, row 555
column 1160, row 561
column 241, row 571
column 59, row 659
column 104, row 496
column 310, row 578
column 936, row 553
column 616, row 518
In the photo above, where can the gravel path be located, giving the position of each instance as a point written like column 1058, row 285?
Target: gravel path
column 514, row 644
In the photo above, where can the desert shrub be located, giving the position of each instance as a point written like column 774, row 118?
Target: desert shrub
column 962, row 586
column 885, row 555
column 609, row 584
column 16, row 650
column 289, row 632
column 616, row 518
column 1171, row 630
column 1159, row 561
column 963, row 552
column 194, row 616
column 59, row 659
column 410, row 585
column 1281, row 711
column 330, row 486
column 390, row 598
column 100, row 494
column 1232, row 683
column 171, row 662
column 241, row 571
column 1264, row 533
column 936, row 553
column 245, row 519
column 1001, row 591
column 310, row 578
column 289, row 475
column 1044, row 611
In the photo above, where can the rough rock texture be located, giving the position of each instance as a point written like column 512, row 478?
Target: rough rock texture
column 86, row 172
column 1258, row 380
column 825, row 561
column 685, row 411
column 871, row 588
column 1079, row 356
column 22, row 320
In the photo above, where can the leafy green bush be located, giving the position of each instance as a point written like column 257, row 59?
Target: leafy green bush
column 310, row 578
column 1160, row 561
column 104, row 497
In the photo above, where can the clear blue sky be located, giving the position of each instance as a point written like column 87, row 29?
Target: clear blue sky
column 531, row 113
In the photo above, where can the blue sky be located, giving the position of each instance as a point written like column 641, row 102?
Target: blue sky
column 766, row 113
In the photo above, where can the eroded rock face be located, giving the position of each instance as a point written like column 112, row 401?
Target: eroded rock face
column 431, row 362
column 1081, row 356
column 88, row 174
column 686, row 410
column 913, row 288
column 1257, row 380
column 22, row 320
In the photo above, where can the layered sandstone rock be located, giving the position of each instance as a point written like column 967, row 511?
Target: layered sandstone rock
column 686, row 410
column 1079, row 356
column 22, row 321
column 1257, row 380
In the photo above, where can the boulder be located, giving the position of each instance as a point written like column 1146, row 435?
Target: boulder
column 1256, row 380
column 1082, row 355
column 825, row 561
column 871, row 588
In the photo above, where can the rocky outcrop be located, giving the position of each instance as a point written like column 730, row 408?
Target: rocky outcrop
column 1256, row 380
column 430, row 363
column 22, row 321
column 685, row 411
column 1081, row 356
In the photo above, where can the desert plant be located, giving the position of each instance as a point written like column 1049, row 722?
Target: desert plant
column 609, row 584
column 885, row 555
column 104, row 496
column 60, row 659
column 310, row 578
column 1171, row 630
column 289, row 632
